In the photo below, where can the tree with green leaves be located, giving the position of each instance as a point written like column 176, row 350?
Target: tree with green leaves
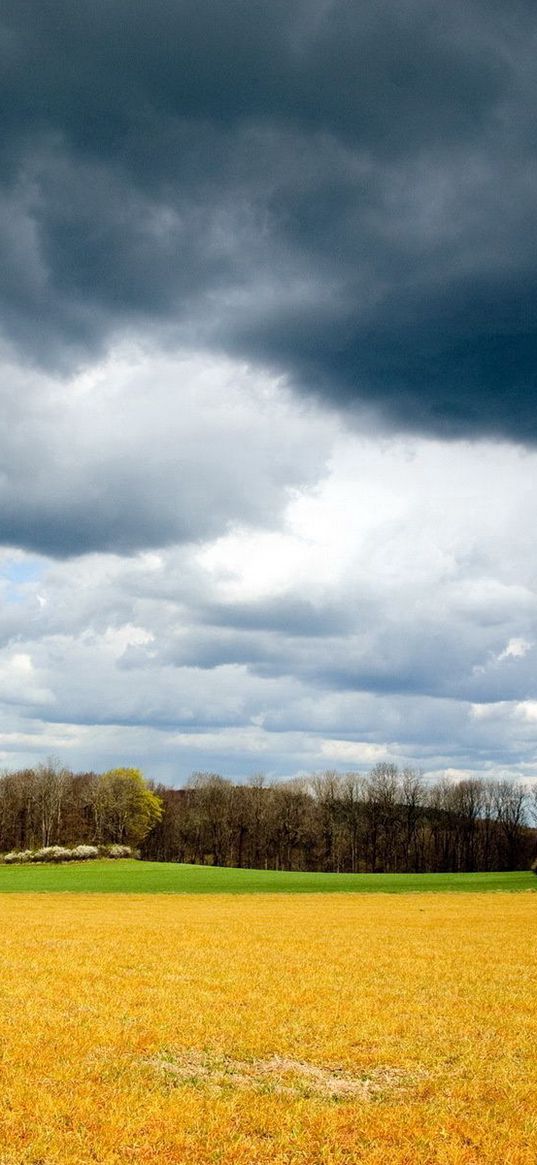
column 125, row 807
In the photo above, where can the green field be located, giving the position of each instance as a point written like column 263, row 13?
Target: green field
column 132, row 877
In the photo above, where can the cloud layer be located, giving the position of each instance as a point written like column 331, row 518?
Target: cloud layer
column 345, row 193
column 389, row 612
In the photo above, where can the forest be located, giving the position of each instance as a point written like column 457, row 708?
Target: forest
column 389, row 820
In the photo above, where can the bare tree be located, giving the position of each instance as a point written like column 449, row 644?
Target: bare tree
column 51, row 785
column 510, row 803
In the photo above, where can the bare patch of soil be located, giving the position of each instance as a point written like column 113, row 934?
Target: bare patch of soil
column 278, row 1075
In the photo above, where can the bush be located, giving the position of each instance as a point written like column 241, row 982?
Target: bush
column 85, row 853
column 52, row 853
column 120, row 851
column 18, row 857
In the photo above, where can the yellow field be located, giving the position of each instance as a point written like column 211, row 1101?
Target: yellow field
column 247, row 1030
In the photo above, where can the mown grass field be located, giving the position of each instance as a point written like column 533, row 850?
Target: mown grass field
column 130, row 877
column 268, row 1029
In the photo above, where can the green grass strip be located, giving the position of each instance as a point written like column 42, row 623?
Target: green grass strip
column 132, row 877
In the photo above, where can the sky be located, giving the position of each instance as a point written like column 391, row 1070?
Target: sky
column 268, row 460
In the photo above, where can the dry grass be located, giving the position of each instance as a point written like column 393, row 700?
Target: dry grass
column 283, row 1030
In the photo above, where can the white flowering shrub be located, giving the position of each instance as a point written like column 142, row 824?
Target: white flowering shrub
column 60, row 853
column 120, row 851
column 84, row 853
column 52, row 853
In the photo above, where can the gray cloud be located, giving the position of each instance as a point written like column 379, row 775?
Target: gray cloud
column 345, row 193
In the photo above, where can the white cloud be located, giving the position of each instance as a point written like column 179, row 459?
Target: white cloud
column 20, row 682
column 527, row 710
column 353, row 752
column 517, row 648
column 148, row 450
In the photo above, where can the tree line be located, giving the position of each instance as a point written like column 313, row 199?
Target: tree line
column 389, row 820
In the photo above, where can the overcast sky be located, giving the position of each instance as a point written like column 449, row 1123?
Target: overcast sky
column 268, row 460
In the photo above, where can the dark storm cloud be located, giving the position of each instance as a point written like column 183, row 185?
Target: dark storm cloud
column 344, row 191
